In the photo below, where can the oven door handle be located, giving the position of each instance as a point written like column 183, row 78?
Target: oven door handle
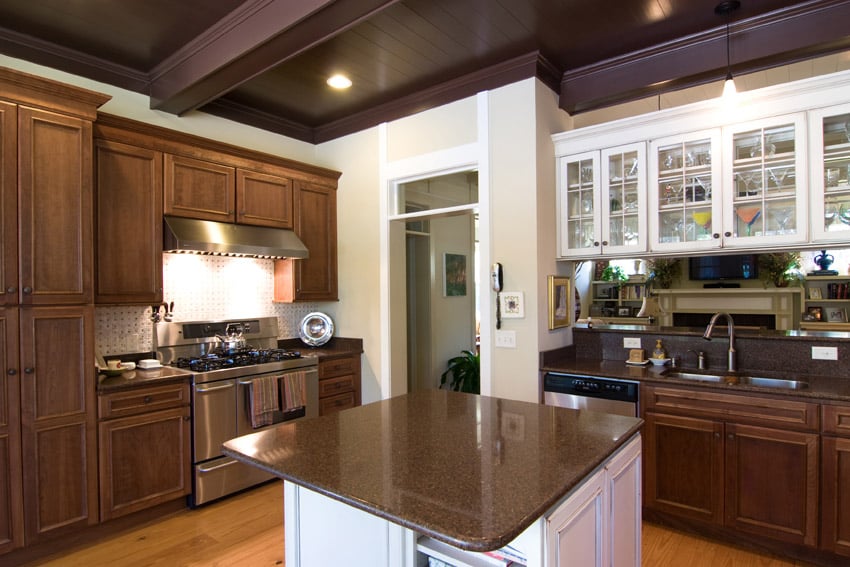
column 207, row 468
column 202, row 388
column 244, row 382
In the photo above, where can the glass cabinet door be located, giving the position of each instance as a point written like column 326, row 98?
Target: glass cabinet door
column 579, row 205
column 765, row 175
column 685, row 207
column 830, row 169
column 624, row 199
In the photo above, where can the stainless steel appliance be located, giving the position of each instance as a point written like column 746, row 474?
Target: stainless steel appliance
column 591, row 393
column 223, row 372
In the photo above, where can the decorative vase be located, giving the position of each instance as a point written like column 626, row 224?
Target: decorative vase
column 824, row 260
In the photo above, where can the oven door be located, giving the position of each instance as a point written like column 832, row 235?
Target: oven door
column 243, row 400
column 214, row 422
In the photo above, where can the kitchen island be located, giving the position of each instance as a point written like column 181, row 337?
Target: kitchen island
column 448, row 474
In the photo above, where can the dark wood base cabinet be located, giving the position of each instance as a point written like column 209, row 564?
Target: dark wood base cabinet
column 339, row 383
column 835, row 502
column 144, row 448
column 745, row 464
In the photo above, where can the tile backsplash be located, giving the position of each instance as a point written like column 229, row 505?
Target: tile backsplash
column 202, row 288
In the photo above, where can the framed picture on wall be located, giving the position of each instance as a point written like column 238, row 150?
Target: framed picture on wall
column 512, row 305
column 559, row 302
column 454, row 275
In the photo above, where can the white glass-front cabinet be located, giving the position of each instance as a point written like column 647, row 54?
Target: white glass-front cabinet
column 685, row 208
column 765, row 186
column 830, row 174
column 603, row 202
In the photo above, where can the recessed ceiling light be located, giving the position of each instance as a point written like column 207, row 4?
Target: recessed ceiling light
column 339, row 82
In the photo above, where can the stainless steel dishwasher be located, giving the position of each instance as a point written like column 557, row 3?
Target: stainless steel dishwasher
column 590, row 393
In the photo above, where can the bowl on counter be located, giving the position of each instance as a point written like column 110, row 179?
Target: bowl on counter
column 659, row 361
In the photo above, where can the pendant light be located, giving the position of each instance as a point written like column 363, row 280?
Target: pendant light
column 725, row 9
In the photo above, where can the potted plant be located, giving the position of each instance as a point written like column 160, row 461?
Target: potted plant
column 662, row 272
column 779, row 268
column 614, row 274
column 465, row 371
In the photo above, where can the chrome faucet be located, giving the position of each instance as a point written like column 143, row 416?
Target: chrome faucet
column 732, row 365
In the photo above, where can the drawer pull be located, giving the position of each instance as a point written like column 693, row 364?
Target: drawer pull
column 11, row 372
column 148, row 399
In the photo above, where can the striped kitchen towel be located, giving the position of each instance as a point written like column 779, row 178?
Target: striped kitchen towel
column 294, row 392
column 264, row 400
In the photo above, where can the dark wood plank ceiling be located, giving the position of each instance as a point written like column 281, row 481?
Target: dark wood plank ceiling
column 265, row 62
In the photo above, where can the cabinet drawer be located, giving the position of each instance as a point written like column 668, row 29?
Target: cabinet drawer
column 788, row 414
column 334, row 404
column 338, row 366
column 836, row 420
column 142, row 400
column 338, row 385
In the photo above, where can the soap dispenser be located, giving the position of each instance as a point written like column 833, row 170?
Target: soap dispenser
column 659, row 351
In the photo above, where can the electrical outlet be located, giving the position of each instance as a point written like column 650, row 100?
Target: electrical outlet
column 505, row 339
column 824, row 353
column 631, row 342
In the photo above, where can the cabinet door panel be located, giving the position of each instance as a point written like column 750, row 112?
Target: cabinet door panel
column 575, row 531
column 683, row 469
column 58, row 429
column 772, row 482
column 129, row 224
column 199, row 189
column 263, row 200
column 55, row 206
column 11, row 504
column 9, row 202
column 835, row 534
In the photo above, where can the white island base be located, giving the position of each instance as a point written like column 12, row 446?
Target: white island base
column 598, row 523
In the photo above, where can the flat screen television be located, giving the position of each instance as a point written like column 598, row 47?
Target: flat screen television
column 737, row 267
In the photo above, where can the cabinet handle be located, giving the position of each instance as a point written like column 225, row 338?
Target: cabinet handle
column 604, row 243
column 11, row 372
column 27, row 290
column 717, row 436
column 716, row 235
column 187, row 418
column 148, row 399
column 727, row 234
column 596, row 243
column 11, row 289
column 29, row 370
column 730, row 436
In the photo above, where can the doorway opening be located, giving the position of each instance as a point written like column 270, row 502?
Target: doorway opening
column 441, row 259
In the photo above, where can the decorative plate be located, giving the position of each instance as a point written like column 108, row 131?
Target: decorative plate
column 316, row 329
column 113, row 372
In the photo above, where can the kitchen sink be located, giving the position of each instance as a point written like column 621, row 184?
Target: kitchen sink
column 730, row 379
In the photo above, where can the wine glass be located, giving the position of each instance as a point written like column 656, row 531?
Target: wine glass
column 829, row 216
column 749, row 215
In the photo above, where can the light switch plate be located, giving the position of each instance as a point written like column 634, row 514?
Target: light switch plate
column 824, row 353
column 505, row 339
column 631, row 342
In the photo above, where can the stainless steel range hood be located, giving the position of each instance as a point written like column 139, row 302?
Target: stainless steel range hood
column 226, row 239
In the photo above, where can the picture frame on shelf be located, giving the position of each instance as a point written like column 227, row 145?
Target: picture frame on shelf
column 815, row 313
column 836, row 315
column 559, row 302
column 624, row 312
column 815, row 293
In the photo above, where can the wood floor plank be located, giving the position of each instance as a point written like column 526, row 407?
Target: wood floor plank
column 247, row 530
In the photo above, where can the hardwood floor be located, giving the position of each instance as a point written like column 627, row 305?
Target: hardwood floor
column 247, row 530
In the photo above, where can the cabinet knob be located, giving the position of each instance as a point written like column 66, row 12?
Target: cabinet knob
column 604, row 243
column 717, row 435
column 29, row 370
column 730, row 436
column 11, row 289
column 148, row 399
column 27, row 290
column 716, row 235
column 596, row 243
column 727, row 234
column 11, row 372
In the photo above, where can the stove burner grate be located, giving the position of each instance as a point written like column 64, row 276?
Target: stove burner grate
column 245, row 357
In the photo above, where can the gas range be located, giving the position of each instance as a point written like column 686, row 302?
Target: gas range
column 192, row 345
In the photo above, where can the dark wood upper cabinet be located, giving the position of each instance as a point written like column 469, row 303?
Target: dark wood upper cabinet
column 263, row 199
column 199, row 189
column 128, row 223
column 9, row 202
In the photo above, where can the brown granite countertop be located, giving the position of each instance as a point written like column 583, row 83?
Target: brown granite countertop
column 820, row 388
column 139, row 378
column 337, row 346
column 471, row 471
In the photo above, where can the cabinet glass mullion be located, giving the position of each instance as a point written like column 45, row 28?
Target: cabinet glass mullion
column 581, row 229
column 685, row 191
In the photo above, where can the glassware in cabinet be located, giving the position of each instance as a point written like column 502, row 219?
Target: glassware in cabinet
column 764, row 169
column 579, row 214
column 830, row 167
column 685, row 209
column 623, row 223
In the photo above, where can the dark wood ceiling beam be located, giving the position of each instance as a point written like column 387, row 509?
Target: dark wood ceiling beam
column 778, row 38
column 251, row 40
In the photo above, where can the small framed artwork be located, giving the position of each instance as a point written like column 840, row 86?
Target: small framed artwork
column 559, row 294
column 454, row 275
column 815, row 293
column 836, row 315
column 815, row 313
column 624, row 312
column 512, row 305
